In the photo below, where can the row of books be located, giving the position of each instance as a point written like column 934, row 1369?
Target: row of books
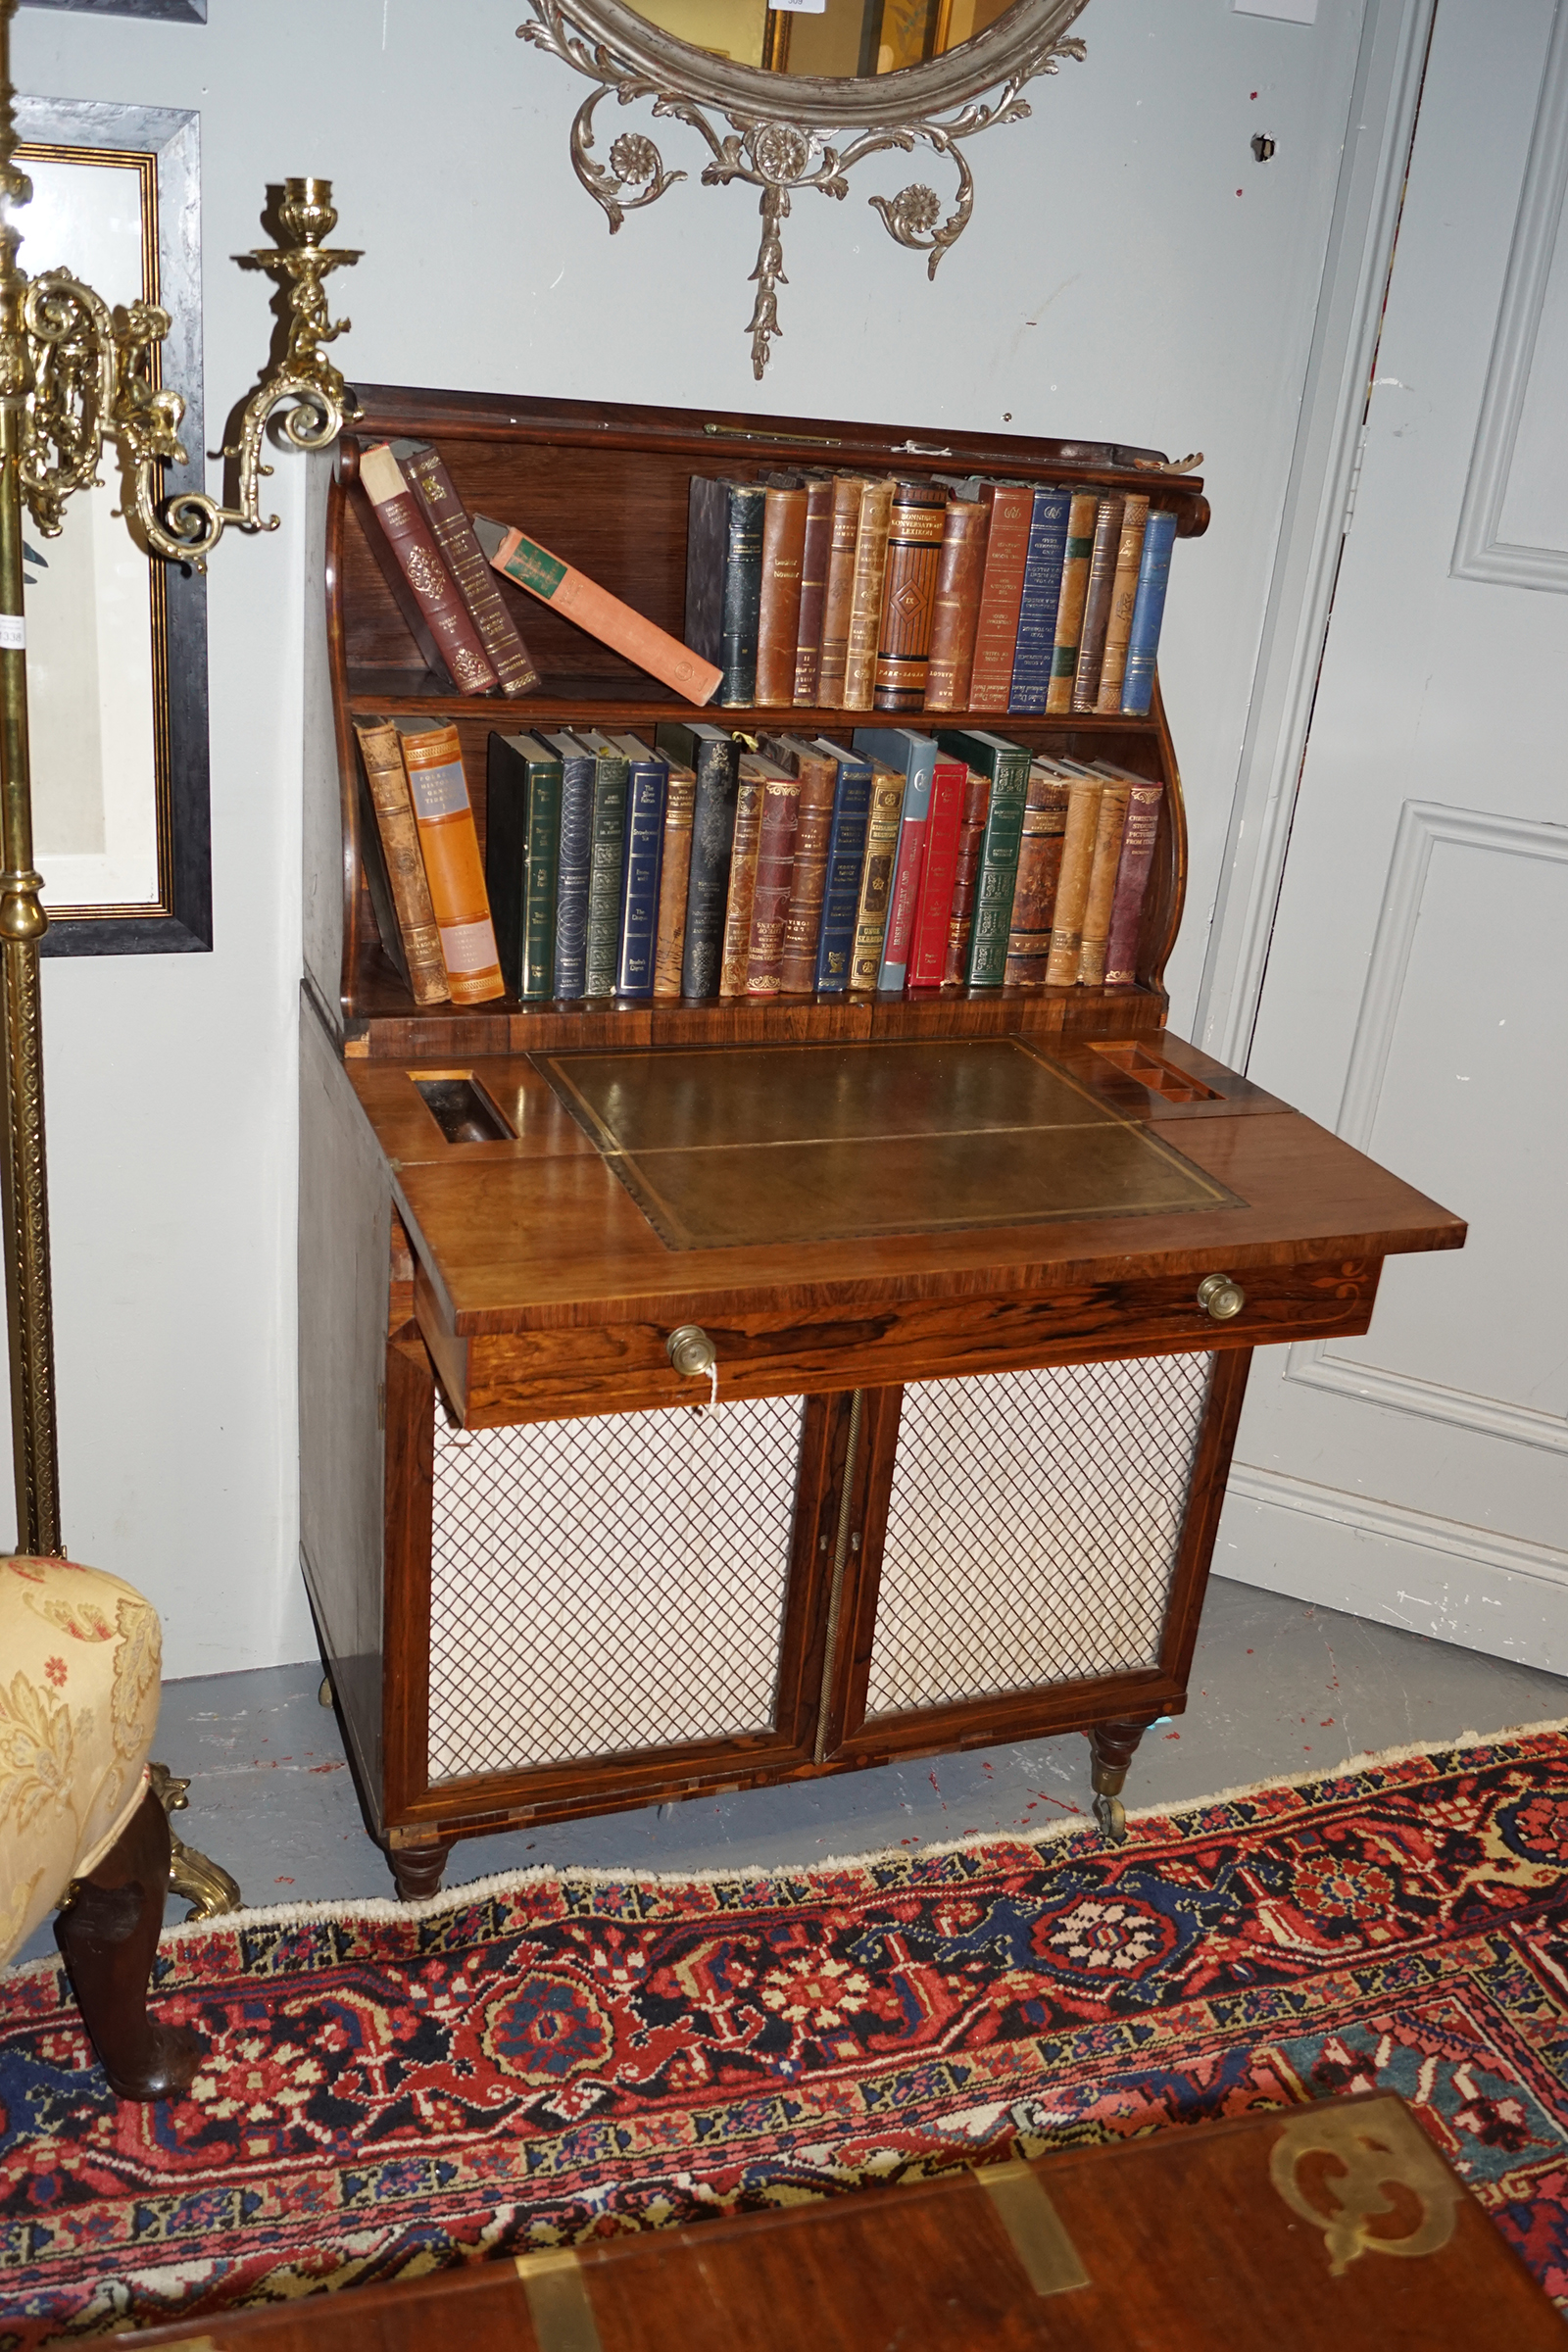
column 855, row 593
column 695, row 867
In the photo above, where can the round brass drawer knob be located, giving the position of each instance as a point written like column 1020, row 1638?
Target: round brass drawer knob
column 691, row 1352
column 1219, row 1298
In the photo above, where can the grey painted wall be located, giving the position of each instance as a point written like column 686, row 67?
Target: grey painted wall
column 1131, row 272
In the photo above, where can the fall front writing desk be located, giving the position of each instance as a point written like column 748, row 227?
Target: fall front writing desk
column 977, row 1316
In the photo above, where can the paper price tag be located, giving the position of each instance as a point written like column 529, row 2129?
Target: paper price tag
column 799, row 8
column 13, row 633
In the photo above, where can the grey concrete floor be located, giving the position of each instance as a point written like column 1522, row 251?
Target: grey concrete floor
column 1277, row 1687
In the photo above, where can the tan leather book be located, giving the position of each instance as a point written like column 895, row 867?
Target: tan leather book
column 581, row 599
column 916, row 521
column 735, row 959
column 876, row 875
column 839, row 594
column 1109, row 825
column 956, row 608
column 417, row 943
column 865, row 604
column 813, row 586
column 778, row 613
column 1034, row 894
column 814, row 830
column 432, row 756
column 966, row 875
column 405, row 548
column 674, row 877
column 1124, row 596
column 1072, row 888
column 775, row 871
column 1096, row 603
column 1076, row 560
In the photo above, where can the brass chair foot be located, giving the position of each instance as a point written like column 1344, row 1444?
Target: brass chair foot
column 204, row 1883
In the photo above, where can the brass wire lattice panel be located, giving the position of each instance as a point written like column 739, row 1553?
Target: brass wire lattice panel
column 1033, row 1528
column 608, row 1584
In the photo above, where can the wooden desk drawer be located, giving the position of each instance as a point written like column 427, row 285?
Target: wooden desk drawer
column 498, row 1378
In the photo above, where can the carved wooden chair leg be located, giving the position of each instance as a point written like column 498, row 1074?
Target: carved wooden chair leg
column 204, row 1884
column 417, row 1868
column 108, row 1932
column 1112, row 1746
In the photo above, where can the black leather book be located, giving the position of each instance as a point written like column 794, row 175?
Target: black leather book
column 724, row 579
column 714, row 759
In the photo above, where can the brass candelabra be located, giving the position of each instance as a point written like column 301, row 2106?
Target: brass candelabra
column 78, row 381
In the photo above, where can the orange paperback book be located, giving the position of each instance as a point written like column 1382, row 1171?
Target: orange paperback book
column 554, row 583
column 439, row 791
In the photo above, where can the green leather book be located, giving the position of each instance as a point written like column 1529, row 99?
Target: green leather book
column 523, row 840
column 1008, row 766
column 607, row 849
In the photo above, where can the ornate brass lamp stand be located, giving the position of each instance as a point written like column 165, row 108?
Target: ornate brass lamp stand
column 78, row 381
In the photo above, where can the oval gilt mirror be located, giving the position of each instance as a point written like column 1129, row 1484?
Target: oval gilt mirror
column 802, row 95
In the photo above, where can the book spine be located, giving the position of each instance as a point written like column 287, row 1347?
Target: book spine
column 674, row 881
column 1132, row 884
column 814, row 832
column 915, row 523
column 839, row 594
column 1001, row 594
column 865, row 608
column 928, row 948
column 1037, row 608
column 471, row 575
column 955, row 605
column 413, row 913
column 1072, row 889
column 450, row 846
column 841, row 896
column 813, row 587
column 412, row 543
column 876, row 877
column 607, row 850
column 743, row 593
column 1123, row 598
column 1149, row 611
column 581, row 599
column 539, row 903
column 713, row 844
column 506, row 852
column 1077, row 556
column 639, row 877
column 1034, row 897
column 571, row 873
column 742, row 882
column 1096, row 603
column 908, row 867
column 965, row 876
column 778, row 612
column 999, row 869
column 770, row 895
column 1109, row 830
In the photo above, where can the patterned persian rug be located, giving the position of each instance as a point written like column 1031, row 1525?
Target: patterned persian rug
column 536, row 2059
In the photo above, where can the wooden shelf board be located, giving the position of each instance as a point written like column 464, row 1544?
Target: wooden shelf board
column 605, row 703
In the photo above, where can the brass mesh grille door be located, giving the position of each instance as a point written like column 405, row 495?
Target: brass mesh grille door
column 1033, row 1528
column 608, row 1584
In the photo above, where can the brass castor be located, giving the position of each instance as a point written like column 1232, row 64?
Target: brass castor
column 324, row 1694
column 1113, row 1819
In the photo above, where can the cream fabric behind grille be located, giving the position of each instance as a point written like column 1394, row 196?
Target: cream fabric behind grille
column 1033, row 1528
column 608, row 1584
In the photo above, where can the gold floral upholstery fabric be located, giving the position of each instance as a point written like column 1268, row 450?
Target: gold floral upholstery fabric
column 79, row 1658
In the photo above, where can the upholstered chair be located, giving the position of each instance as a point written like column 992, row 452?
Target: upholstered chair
column 79, row 1823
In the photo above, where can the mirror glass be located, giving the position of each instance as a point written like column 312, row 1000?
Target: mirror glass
column 845, row 40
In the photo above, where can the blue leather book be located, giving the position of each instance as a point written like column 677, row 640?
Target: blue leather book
column 647, row 782
column 572, row 863
column 523, row 810
column 915, row 756
column 1041, row 593
column 845, row 854
column 714, row 756
column 1149, row 611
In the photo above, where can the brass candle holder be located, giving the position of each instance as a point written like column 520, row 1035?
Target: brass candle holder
column 77, row 384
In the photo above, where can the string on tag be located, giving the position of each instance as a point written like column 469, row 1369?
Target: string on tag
column 708, row 1409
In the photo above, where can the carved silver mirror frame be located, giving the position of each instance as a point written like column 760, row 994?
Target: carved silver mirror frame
column 792, row 131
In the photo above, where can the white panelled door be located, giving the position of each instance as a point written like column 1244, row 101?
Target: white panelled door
column 1417, row 982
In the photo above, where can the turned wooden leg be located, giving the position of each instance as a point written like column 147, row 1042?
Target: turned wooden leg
column 108, row 1935
column 417, row 1868
column 1112, row 1746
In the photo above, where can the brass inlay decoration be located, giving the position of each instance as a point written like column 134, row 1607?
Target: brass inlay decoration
column 1368, row 2178
column 558, row 2301
column 1050, row 2261
column 730, row 1146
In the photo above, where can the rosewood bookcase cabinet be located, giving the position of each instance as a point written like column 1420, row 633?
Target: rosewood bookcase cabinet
column 980, row 1272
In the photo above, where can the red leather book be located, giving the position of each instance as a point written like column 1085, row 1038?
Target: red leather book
column 770, row 894
column 933, row 905
column 814, row 830
column 1011, row 507
column 1132, row 878
column 813, row 586
column 956, row 609
column 444, row 629
column 425, row 471
column 967, row 871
